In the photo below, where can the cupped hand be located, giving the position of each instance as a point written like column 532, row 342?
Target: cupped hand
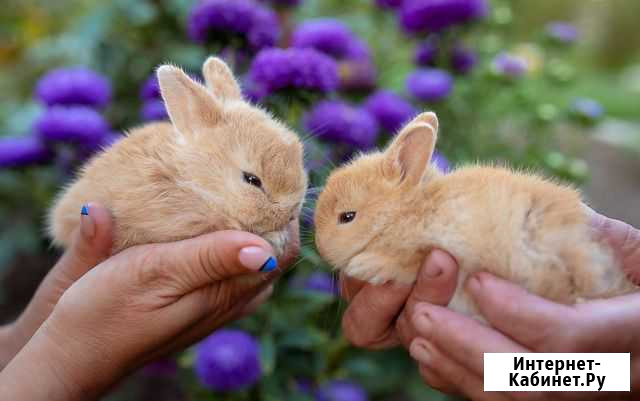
column 450, row 347
column 140, row 304
column 379, row 316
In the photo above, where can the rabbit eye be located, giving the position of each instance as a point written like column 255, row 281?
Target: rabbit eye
column 252, row 179
column 346, row 217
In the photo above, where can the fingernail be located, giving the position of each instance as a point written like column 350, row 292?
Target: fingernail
column 423, row 323
column 473, row 284
column 433, row 268
column 256, row 258
column 419, row 351
column 87, row 226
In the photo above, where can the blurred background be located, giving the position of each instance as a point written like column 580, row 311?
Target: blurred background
column 552, row 86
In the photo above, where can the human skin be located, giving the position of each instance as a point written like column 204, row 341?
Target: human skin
column 132, row 308
column 449, row 347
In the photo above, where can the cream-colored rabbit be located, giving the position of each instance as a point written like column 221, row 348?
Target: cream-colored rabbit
column 379, row 216
column 221, row 164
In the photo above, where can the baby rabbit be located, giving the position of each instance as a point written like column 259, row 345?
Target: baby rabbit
column 380, row 215
column 220, row 164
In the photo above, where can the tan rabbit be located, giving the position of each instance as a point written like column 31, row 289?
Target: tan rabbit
column 380, row 215
column 221, row 164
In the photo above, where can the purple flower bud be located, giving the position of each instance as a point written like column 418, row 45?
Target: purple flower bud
column 154, row 110
column 463, row 60
column 436, row 15
column 389, row 109
column 150, row 89
column 509, row 65
column 78, row 125
column 393, row 4
column 562, row 32
column 228, row 360
column 275, row 69
column 587, row 109
column 341, row 390
column 251, row 21
column 336, row 121
column 22, row 151
column 327, row 35
column 72, row 87
column 426, row 52
column 440, row 162
column 429, row 84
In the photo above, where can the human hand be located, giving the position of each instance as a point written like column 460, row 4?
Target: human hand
column 450, row 346
column 393, row 305
column 91, row 245
column 143, row 303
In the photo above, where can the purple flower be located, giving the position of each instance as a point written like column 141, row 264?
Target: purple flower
column 462, row 60
column 440, row 162
column 317, row 281
column 389, row 109
column 228, row 360
column 587, row 109
column 275, row 69
column 22, row 151
column 336, row 121
column 429, row 84
column 73, row 86
column 562, row 32
column 79, row 125
column 150, row 89
column 327, row 35
column 389, row 3
column 341, row 390
column 426, row 52
column 436, row 15
column 217, row 19
column 154, row 110
column 509, row 65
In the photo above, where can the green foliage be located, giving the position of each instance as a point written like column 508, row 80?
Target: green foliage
column 486, row 118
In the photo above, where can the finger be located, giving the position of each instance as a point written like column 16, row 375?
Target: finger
column 623, row 238
column 436, row 283
column 91, row 244
column 350, row 286
column 599, row 318
column 469, row 383
column 369, row 320
column 258, row 300
column 201, row 261
column 462, row 338
column 437, row 382
column 528, row 319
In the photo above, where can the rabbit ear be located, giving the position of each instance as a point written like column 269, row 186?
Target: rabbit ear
column 428, row 117
column 220, row 80
column 189, row 105
column 410, row 152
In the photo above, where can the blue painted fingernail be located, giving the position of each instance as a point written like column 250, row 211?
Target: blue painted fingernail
column 85, row 210
column 269, row 265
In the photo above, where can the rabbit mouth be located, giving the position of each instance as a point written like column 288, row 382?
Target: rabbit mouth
column 278, row 241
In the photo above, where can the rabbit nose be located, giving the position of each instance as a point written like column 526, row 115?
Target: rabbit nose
column 292, row 218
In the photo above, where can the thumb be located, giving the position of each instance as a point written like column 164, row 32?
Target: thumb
column 200, row 261
column 91, row 244
column 436, row 283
